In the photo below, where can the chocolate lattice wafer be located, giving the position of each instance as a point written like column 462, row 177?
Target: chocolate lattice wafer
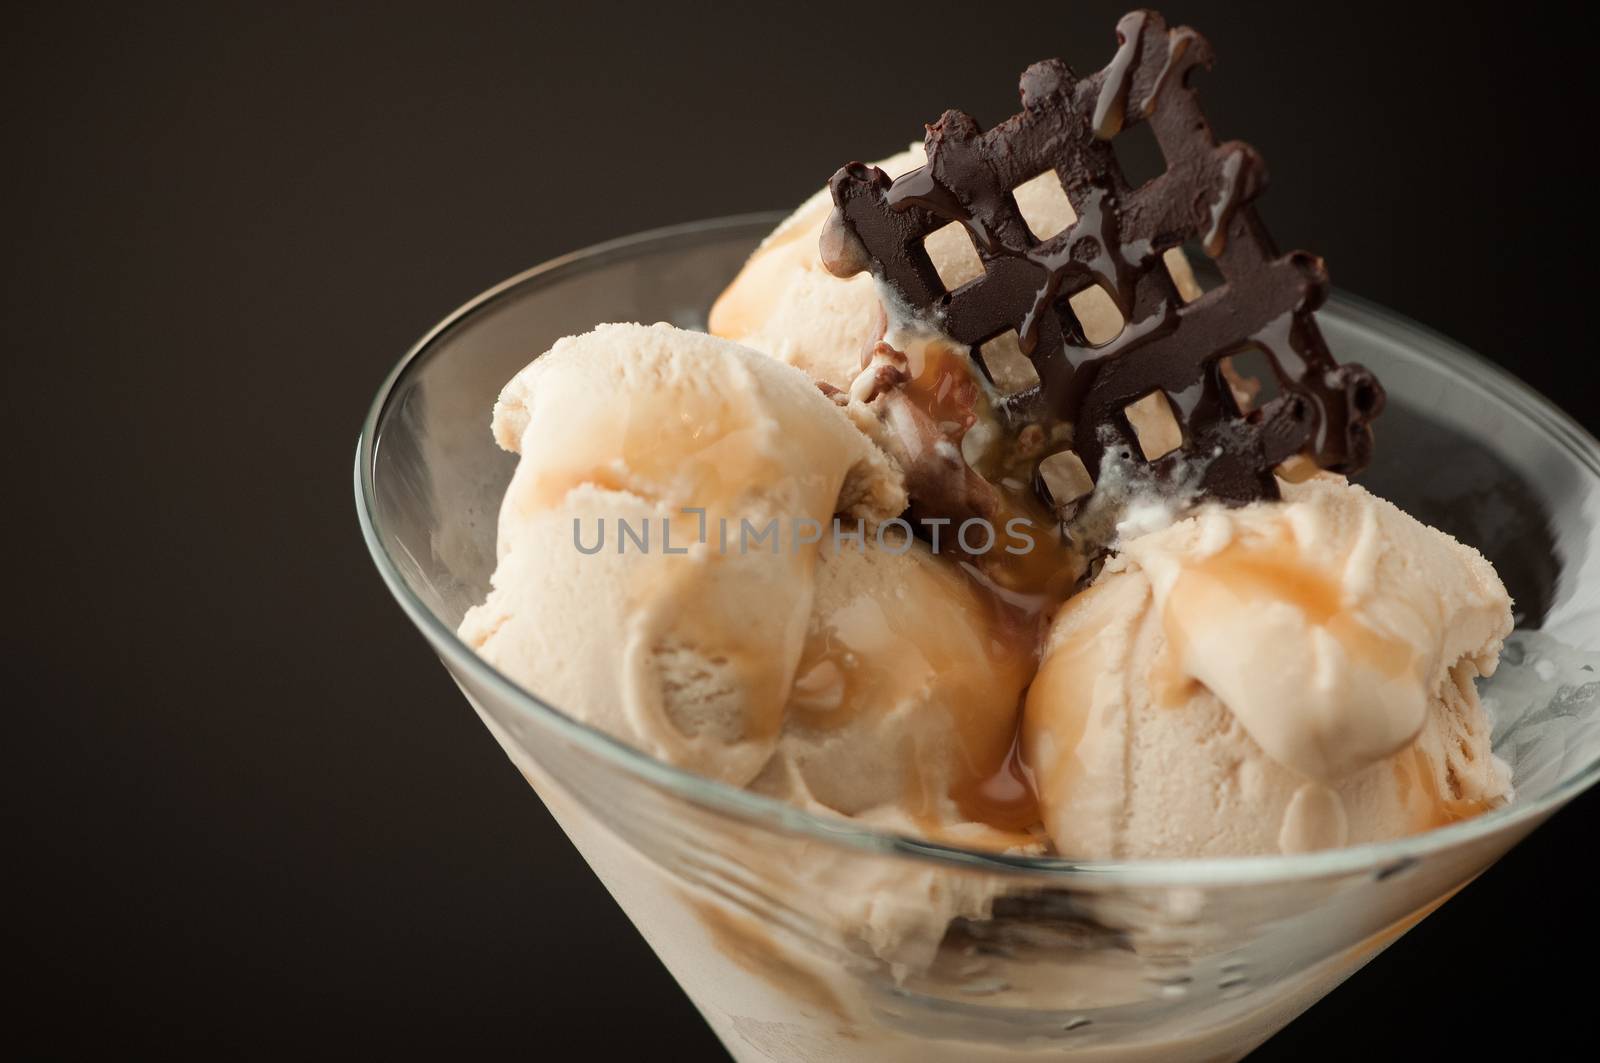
column 1266, row 303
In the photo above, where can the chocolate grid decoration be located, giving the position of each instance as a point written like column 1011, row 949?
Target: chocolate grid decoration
column 1116, row 243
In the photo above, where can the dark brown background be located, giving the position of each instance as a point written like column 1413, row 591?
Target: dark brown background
column 247, row 812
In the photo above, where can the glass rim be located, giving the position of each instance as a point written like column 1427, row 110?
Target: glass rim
column 1466, row 367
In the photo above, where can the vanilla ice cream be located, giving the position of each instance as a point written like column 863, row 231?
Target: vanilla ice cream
column 608, row 601
column 1289, row 675
column 1286, row 676
column 904, row 703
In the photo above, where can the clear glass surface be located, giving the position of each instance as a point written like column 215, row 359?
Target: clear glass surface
column 805, row 937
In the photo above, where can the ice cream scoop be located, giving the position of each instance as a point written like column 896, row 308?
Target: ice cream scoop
column 615, row 597
column 904, row 704
column 1285, row 676
column 784, row 303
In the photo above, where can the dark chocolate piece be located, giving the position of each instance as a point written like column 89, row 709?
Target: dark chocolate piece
column 1266, row 303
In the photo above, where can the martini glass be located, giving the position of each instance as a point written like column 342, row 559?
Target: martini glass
column 803, row 937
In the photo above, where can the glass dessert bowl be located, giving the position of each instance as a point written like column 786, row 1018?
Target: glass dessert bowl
column 801, row 936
